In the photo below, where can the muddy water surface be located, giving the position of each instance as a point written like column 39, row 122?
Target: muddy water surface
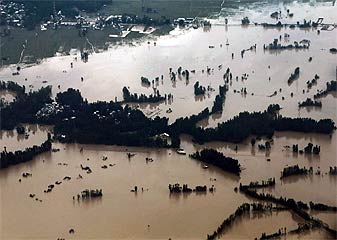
column 154, row 213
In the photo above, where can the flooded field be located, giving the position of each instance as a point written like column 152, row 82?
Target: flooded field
column 105, row 74
column 154, row 213
column 165, row 213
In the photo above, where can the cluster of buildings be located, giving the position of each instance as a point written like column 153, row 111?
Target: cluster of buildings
column 49, row 110
column 12, row 13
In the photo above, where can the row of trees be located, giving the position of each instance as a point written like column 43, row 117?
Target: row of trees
column 11, row 158
column 309, row 149
column 265, row 183
column 310, row 103
column 110, row 123
column 278, row 46
column 295, row 170
column 297, row 206
column 242, row 209
column 152, row 98
column 257, row 123
column 176, row 188
column 322, row 207
column 260, row 124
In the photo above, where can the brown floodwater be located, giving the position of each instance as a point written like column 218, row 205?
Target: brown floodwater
column 155, row 213
column 36, row 134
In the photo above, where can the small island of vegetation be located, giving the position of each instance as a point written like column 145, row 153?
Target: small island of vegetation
column 310, row 103
column 217, row 159
column 330, row 87
column 295, row 170
column 142, row 98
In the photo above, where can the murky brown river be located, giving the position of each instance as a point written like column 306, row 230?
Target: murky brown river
column 154, row 213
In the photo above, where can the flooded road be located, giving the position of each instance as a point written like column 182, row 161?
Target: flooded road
column 155, row 213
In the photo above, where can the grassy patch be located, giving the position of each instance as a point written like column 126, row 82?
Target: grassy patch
column 41, row 44
column 168, row 8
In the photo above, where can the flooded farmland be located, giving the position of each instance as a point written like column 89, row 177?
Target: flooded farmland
column 154, row 212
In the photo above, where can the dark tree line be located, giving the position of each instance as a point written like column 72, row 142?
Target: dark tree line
column 310, row 103
column 142, row 98
column 322, row 207
column 11, row 158
column 309, row 149
column 278, row 46
column 176, row 188
column 265, row 183
column 295, row 170
column 242, row 209
column 110, row 123
column 297, row 206
column 217, row 159
column 257, row 123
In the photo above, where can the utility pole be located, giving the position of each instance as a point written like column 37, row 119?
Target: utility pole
column 143, row 5
column 54, row 10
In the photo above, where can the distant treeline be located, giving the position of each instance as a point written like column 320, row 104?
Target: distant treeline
column 12, row 158
column 245, row 124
